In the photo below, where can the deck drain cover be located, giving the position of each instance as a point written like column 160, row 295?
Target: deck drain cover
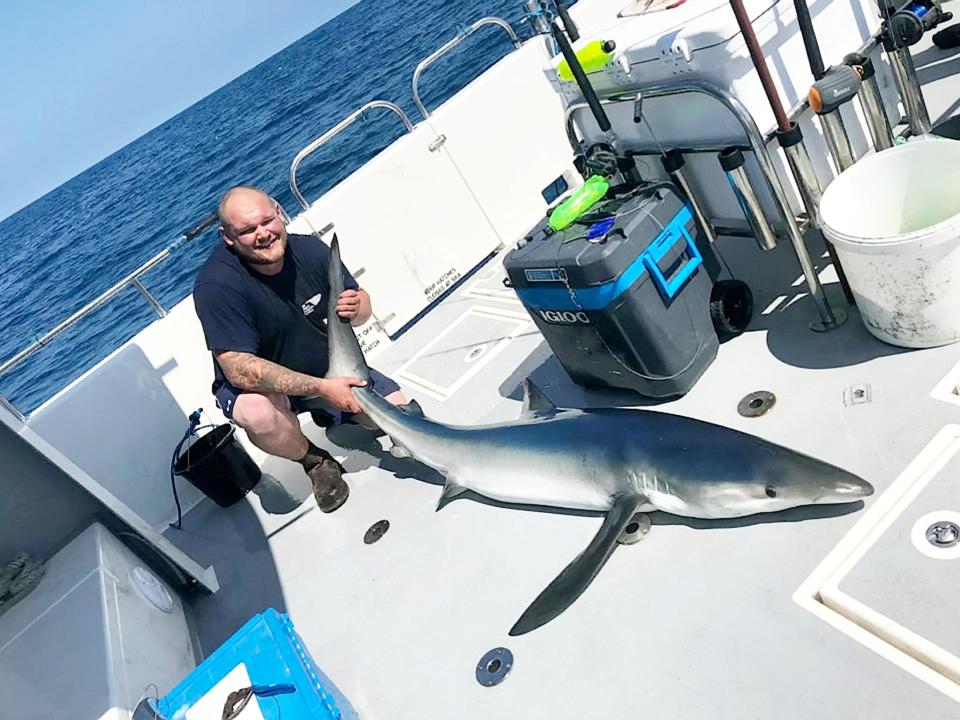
column 494, row 666
column 636, row 530
column 756, row 403
column 376, row 531
column 943, row 534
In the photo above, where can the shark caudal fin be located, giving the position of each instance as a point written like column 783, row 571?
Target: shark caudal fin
column 346, row 358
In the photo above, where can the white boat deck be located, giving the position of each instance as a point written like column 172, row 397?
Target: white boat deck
column 696, row 621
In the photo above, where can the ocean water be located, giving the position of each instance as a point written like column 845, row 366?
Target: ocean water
column 87, row 234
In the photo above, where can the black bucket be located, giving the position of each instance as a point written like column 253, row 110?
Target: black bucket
column 218, row 466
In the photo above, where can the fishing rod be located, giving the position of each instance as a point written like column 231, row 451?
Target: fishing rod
column 568, row 24
column 789, row 136
column 624, row 164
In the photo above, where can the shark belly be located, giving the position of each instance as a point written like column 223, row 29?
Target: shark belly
column 532, row 468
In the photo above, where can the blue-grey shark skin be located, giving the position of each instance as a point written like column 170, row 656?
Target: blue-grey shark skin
column 619, row 460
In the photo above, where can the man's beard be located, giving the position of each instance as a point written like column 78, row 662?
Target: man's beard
column 252, row 259
column 257, row 260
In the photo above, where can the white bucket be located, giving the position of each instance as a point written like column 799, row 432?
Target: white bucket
column 894, row 218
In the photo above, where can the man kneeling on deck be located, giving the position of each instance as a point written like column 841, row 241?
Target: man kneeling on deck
column 262, row 300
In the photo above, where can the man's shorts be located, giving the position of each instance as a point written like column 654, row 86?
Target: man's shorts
column 226, row 395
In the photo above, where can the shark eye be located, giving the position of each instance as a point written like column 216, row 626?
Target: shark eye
column 771, row 491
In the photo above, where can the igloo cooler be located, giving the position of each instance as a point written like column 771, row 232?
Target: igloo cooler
column 622, row 295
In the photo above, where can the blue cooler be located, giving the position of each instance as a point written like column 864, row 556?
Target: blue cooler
column 270, row 653
column 622, row 296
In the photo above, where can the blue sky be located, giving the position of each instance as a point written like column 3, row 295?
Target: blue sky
column 80, row 80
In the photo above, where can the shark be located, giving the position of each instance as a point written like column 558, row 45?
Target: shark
column 614, row 461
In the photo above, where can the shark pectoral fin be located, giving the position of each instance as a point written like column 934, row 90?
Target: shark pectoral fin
column 535, row 403
column 450, row 491
column 577, row 576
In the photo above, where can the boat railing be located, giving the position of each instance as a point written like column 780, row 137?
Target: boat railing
column 335, row 130
column 447, row 47
column 131, row 280
column 12, row 409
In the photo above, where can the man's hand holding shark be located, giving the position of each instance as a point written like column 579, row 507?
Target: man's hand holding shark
column 616, row 461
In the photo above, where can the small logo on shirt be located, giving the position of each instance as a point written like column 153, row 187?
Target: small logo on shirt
column 310, row 305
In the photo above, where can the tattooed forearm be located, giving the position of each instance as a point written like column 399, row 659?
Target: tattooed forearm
column 250, row 372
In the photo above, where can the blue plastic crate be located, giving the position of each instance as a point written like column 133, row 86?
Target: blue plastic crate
column 273, row 653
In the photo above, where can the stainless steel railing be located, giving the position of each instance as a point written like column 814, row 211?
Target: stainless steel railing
column 9, row 406
column 335, row 130
column 448, row 46
column 133, row 280
column 755, row 139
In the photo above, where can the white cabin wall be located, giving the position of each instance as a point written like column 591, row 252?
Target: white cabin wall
column 120, row 421
column 40, row 505
column 505, row 134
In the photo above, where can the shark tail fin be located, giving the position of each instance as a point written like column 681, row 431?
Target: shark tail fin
column 346, row 357
column 451, row 489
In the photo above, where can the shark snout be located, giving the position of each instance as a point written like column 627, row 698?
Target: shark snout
column 847, row 489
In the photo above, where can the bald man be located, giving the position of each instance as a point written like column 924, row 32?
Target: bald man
column 262, row 300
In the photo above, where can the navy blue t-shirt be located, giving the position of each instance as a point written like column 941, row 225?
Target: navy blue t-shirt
column 281, row 318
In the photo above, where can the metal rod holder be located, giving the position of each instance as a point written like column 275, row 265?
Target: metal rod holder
column 673, row 163
column 810, row 192
column 537, row 13
column 803, row 103
column 732, row 162
column 447, row 47
column 905, row 73
column 877, row 121
column 871, row 100
column 807, row 183
column 828, row 319
column 835, row 133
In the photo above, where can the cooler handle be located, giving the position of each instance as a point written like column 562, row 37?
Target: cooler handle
column 660, row 248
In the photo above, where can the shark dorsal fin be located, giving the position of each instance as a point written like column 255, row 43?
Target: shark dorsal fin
column 412, row 408
column 535, row 403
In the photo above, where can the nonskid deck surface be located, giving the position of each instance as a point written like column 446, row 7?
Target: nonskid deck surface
column 701, row 611
column 695, row 621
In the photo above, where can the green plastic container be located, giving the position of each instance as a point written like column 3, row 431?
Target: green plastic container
column 595, row 188
column 592, row 56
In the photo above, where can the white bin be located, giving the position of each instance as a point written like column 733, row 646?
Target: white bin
column 894, row 218
column 97, row 633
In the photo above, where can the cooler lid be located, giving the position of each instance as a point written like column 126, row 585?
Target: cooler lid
column 598, row 247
